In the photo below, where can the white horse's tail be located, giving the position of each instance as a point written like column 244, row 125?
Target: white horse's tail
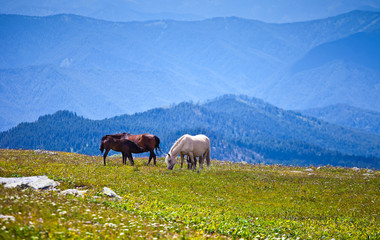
column 208, row 160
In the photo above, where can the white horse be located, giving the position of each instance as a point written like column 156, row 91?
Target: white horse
column 193, row 146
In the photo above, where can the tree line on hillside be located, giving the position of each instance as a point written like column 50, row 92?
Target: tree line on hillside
column 252, row 138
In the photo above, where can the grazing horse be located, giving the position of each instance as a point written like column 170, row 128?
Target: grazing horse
column 125, row 146
column 193, row 146
column 147, row 143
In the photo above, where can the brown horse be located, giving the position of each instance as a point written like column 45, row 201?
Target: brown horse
column 125, row 146
column 147, row 143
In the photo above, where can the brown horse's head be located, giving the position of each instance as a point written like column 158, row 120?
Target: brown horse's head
column 102, row 142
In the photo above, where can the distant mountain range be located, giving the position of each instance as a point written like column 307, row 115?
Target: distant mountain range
column 347, row 116
column 240, row 128
column 102, row 69
column 342, row 71
column 190, row 10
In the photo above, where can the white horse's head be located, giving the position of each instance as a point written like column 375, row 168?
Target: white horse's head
column 170, row 161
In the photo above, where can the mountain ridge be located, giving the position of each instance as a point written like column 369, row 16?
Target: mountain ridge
column 364, row 46
column 276, row 12
column 169, row 61
column 240, row 128
column 347, row 116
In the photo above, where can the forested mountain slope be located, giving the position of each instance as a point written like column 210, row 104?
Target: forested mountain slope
column 240, row 129
column 347, row 116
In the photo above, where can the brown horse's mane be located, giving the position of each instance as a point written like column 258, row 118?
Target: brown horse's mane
column 117, row 135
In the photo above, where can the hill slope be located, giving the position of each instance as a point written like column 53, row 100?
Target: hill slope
column 342, row 71
column 240, row 128
column 232, row 200
column 348, row 116
column 169, row 61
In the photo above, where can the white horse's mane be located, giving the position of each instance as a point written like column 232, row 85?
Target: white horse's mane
column 177, row 143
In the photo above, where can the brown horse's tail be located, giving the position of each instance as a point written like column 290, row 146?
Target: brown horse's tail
column 157, row 145
column 101, row 148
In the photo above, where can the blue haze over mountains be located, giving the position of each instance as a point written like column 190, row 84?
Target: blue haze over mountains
column 272, row 11
column 102, row 69
column 347, row 116
column 130, row 56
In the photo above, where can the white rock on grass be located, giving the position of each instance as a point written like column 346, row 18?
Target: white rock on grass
column 113, row 225
column 38, row 151
column 43, row 183
column 107, row 191
column 35, row 182
column 7, row 218
column 74, row 192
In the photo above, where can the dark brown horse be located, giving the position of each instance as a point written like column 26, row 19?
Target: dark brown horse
column 146, row 142
column 125, row 146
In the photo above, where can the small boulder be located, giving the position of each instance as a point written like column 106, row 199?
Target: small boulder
column 7, row 218
column 38, row 151
column 107, row 191
column 43, row 182
column 35, row 182
column 74, row 192
column 367, row 174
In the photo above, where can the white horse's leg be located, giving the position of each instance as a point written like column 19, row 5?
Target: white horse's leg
column 201, row 161
column 193, row 161
column 191, row 165
column 182, row 158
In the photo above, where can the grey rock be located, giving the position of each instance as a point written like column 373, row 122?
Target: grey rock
column 35, row 182
column 107, row 191
column 74, row 192
column 7, row 218
column 367, row 174
column 38, row 151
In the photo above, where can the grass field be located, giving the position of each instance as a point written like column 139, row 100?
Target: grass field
column 227, row 200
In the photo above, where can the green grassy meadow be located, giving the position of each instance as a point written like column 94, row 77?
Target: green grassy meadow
column 225, row 201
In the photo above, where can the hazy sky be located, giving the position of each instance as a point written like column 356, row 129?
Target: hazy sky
column 127, row 10
column 267, row 10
